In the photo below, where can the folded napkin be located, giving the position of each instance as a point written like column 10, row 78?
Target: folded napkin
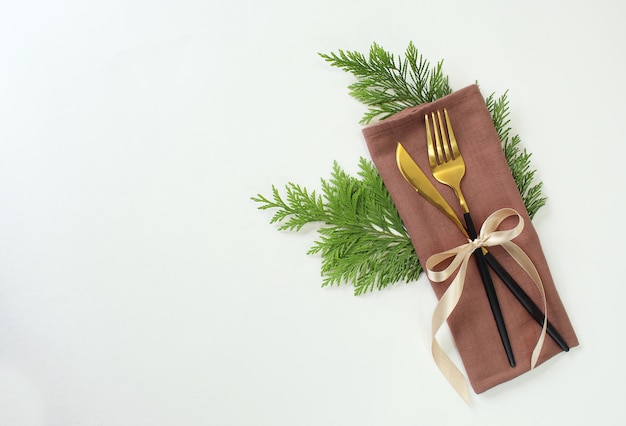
column 488, row 186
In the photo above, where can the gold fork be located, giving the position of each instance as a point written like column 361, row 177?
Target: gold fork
column 444, row 156
column 448, row 167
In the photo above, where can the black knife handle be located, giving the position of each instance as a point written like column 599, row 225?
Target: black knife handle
column 525, row 301
column 491, row 292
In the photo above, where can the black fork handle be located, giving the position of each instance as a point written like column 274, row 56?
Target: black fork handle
column 491, row 292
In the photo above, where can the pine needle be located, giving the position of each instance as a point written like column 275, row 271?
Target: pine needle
column 388, row 84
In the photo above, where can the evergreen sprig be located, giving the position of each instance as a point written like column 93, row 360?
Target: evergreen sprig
column 301, row 207
column 388, row 84
column 362, row 240
column 517, row 158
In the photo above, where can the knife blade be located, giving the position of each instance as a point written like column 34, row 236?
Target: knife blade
column 418, row 180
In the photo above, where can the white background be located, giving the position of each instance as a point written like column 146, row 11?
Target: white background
column 139, row 285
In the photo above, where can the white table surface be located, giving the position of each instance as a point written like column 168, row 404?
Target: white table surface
column 139, row 285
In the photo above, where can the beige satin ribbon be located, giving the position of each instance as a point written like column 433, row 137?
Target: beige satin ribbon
column 489, row 236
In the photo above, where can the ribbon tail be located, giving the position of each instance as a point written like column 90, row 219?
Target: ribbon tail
column 444, row 308
column 450, row 371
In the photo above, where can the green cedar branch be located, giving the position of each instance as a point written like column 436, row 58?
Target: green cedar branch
column 517, row 158
column 362, row 238
column 389, row 84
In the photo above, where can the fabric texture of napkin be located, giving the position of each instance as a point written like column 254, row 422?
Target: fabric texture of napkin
column 488, row 186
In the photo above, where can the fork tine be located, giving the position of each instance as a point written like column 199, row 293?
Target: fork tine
column 432, row 156
column 445, row 147
column 453, row 144
column 438, row 147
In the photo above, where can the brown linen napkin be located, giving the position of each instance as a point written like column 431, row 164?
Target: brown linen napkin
column 488, row 186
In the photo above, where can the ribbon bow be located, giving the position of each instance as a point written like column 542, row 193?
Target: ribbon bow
column 489, row 236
